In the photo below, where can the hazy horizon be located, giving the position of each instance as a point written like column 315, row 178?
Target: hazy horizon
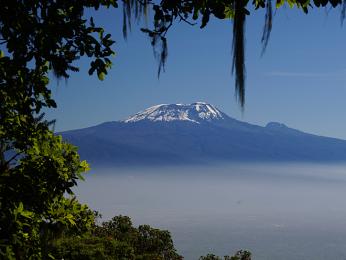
column 277, row 211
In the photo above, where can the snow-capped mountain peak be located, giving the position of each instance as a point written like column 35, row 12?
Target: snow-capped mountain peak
column 196, row 112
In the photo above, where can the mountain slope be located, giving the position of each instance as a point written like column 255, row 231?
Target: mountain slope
column 197, row 134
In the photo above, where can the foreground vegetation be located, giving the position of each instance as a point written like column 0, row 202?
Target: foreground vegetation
column 118, row 239
column 115, row 239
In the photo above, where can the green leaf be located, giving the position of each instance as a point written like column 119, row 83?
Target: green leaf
column 291, row 3
column 101, row 75
column 85, row 165
column 279, row 3
column 70, row 219
column 229, row 13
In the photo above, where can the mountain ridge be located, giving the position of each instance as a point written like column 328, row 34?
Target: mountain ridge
column 198, row 133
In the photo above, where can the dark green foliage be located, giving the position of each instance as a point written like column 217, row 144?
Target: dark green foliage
column 147, row 242
column 92, row 248
column 118, row 239
column 210, row 257
column 36, row 167
column 240, row 255
column 32, row 197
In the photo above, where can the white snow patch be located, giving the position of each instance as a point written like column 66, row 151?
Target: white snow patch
column 195, row 112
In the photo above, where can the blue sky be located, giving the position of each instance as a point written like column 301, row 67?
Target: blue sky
column 300, row 80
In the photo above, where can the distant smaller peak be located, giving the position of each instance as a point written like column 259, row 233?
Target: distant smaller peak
column 276, row 125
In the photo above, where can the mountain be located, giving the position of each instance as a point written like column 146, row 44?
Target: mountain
column 197, row 113
column 198, row 133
